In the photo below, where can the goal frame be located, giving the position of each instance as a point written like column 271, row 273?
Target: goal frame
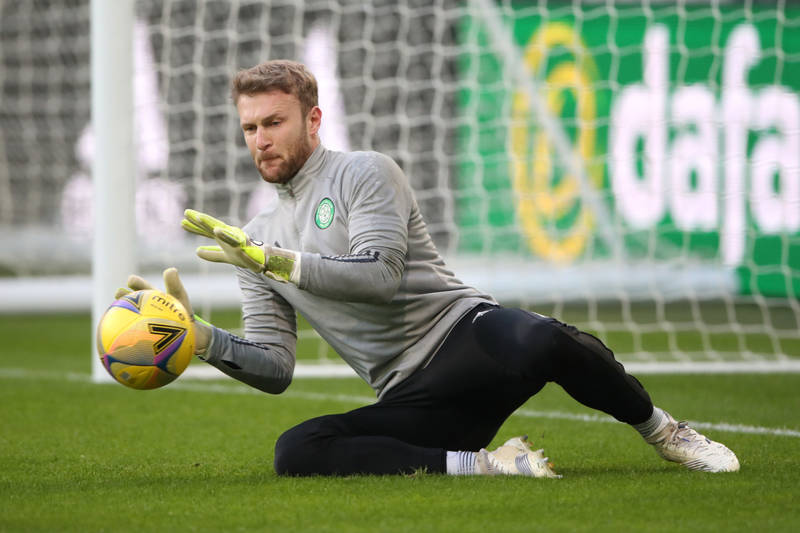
column 114, row 253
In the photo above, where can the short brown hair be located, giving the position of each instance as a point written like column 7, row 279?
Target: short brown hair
column 283, row 75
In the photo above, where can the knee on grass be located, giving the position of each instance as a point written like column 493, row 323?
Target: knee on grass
column 299, row 451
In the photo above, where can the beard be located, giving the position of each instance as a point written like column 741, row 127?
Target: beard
column 290, row 162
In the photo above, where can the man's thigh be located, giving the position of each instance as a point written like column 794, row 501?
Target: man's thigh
column 458, row 401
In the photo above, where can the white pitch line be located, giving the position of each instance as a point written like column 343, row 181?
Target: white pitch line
column 723, row 426
column 740, row 428
column 300, row 395
column 218, row 388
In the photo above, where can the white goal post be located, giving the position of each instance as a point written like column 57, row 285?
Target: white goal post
column 113, row 169
column 632, row 168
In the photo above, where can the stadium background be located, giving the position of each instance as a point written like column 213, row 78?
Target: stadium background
column 522, row 207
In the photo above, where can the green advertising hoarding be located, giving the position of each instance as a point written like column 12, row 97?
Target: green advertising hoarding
column 684, row 123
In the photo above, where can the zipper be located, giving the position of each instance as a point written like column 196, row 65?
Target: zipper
column 297, row 229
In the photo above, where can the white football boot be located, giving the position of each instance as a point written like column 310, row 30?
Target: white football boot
column 514, row 458
column 679, row 443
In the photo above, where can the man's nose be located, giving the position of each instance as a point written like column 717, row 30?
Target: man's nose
column 262, row 139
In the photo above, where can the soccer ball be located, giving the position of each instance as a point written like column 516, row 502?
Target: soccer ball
column 145, row 339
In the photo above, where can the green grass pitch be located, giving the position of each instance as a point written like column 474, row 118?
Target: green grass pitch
column 197, row 456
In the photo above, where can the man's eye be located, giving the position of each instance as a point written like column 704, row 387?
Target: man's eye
column 276, row 123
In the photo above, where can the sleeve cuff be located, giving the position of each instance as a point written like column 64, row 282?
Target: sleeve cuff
column 209, row 356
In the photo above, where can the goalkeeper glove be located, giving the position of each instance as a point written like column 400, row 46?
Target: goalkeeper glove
column 235, row 247
column 174, row 287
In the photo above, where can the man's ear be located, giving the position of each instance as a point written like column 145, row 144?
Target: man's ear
column 314, row 120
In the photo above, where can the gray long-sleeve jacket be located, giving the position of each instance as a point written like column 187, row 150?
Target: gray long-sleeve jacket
column 372, row 283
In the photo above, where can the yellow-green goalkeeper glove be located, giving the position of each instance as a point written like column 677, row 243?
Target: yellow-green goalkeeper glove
column 174, row 287
column 235, row 247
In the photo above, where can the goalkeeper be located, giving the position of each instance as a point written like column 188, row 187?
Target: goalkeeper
column 347, row 247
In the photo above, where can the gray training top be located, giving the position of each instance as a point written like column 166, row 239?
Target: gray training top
column 372, row 283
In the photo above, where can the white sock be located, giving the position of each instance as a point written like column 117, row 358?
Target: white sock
column 652, row 425
column 460, row 463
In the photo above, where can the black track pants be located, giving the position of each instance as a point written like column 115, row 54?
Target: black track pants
column 490, row 364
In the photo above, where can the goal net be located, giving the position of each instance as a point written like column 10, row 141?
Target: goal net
column 631, row 168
